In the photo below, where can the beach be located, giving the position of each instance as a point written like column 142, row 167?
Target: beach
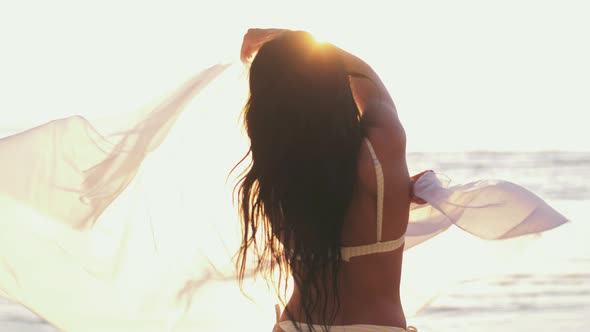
column 540, row 283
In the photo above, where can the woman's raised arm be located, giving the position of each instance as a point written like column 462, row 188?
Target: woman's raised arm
column 254, row 39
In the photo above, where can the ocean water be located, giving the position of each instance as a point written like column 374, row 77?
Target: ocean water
column 545, row 284
column 541, row 283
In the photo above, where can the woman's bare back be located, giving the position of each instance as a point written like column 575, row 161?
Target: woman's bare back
column 369, row 284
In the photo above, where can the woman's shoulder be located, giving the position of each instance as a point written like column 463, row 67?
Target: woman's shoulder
column 383, row 127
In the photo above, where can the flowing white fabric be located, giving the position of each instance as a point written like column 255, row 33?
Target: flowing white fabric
column 489, row 209
column 136, row 267
column 116, row 226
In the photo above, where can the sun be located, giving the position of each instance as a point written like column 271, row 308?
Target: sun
column 320, row 38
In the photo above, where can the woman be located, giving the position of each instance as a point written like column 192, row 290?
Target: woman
column 328, row 188
column 120, row 252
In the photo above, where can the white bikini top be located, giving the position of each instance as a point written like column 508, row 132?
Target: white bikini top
column 378, row 247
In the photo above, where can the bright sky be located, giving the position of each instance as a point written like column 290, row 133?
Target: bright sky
column 493, row 75
column 505, row 75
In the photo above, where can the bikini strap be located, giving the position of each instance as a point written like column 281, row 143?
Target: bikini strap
column 380, row 188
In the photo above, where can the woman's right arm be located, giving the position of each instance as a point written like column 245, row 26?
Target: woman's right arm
column 360, row 69
column 379, row 115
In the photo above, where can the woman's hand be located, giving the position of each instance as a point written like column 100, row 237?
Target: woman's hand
column 255, row 38
column 413, row 197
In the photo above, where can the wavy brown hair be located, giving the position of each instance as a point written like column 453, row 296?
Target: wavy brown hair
column 305, row 134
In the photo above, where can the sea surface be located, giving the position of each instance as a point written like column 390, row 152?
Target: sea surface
column 538, row 284
column 545, row 286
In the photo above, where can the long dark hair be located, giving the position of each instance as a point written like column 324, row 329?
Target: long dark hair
column 305, row 133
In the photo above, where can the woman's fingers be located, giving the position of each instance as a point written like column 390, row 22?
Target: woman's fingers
column 413, row 197
column 255, row 38
column 417, row 176
column 417, row 200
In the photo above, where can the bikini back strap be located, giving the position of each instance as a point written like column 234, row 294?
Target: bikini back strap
column 380, row 188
